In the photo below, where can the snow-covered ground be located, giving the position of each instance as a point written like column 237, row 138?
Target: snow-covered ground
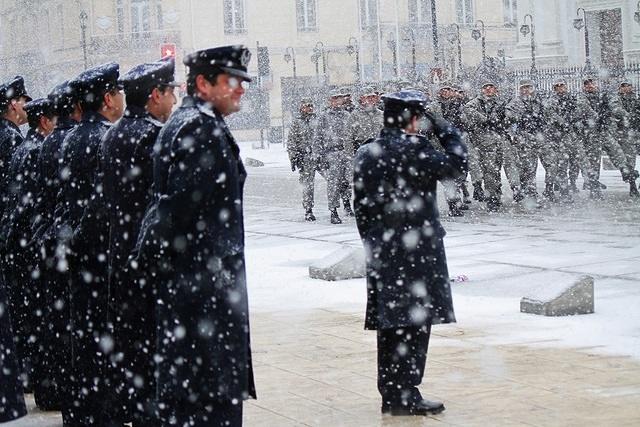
column 505, row 256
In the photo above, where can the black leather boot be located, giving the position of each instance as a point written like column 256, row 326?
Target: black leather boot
column 347, row 208
column 478, row 192
column 335, row 219
column 493, row 204
column 454, row 208
column 548, row 193
column 422, row 407
column 309, row 216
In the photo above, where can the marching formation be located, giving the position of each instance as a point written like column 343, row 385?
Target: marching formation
column 566, row 132
column 123, row 295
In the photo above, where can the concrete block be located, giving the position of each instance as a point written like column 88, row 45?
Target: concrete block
column 254, row 163
column 346, row 263
column 561, row 298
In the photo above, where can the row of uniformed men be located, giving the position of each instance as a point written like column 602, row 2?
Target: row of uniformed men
column 80, row 289
column 567, row 132
column 327, row 142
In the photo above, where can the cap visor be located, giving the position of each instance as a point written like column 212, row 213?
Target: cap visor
column 237, row 73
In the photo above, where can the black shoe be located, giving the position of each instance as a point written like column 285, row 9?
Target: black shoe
column 517, row 194
column 347, row 209
column 423, row 407
column 309, row 216
column 493, row 204
column 573, row 188
column 585, row 186
column 478, row 192
column 548, row 193
column 633, row 190
column 565, row 196
column 335, row 219
column 454, row 209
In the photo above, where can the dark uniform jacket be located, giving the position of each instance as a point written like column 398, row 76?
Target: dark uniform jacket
column 81, row 225
column 49, row 165
column 397, row 216
column 11, row 394
column 10, row 139
column 127, row 176
column 15, row 234
column 13, row 405
column 191, row 247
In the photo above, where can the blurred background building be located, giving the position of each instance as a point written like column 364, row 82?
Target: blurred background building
column 301, row 44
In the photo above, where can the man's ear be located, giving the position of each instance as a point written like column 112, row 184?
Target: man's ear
column 156, row 95
column 107, row 99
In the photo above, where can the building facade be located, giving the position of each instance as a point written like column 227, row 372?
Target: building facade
column 612, row 29
column 327, row 41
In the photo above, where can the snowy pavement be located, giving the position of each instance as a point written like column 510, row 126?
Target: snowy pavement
column 316, row 366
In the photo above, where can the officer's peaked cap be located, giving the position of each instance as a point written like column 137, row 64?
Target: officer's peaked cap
column 625, row 82
column 558, row 82
column 39, row 107
column 13, row 89
column 232, row 60
column 411, row 100
column 63, row 95
column 145, row 77
column 97, row 80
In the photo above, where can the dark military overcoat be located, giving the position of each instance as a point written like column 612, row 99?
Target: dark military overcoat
column 81, row 227
column 191, row 248
column 397, row 216
column 127, row 177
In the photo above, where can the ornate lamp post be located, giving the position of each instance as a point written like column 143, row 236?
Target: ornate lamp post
column 525, row 29
column 354, row 48
column 454, row 35
column 318, row 52
column 481, row 33
column 391, row 44
column 434, row 32
column 290, row 56
column 83, row 29
column 578, row 23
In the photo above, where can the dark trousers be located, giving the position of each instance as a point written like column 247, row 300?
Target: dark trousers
column 205, row 414
column 402, row 355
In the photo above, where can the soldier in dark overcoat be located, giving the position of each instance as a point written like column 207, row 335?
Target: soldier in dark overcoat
column 50, row 276
column 81, row 227
column 13, row 97
column 397, row 216
column 127, row 176
column 15, row 231
column 191, row 247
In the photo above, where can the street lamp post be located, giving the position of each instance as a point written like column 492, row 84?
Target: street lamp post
column 480, row 33
column 525, row 29
column 434, row 31
column 83, row 29
column 290, row 56
column 391, row 44
column 578, row 23
column 354, row 48
column 454, row 31
column 318, row 52
column 636, row 16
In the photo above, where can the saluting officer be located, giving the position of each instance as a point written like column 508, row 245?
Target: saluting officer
column 191, row 249
column 127, row 175
column 408, row 289
column 16, row 235
column 52, row 279
column 81, row 228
